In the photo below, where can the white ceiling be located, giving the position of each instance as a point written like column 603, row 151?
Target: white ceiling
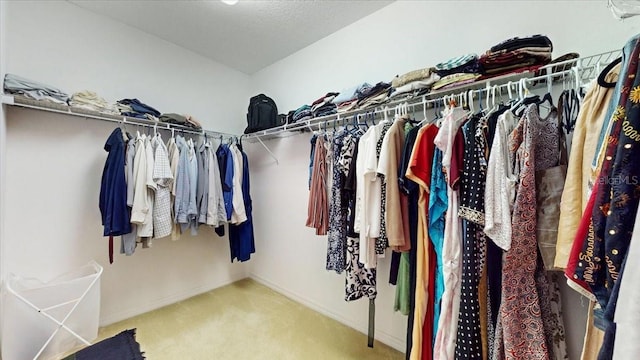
column 247, row 36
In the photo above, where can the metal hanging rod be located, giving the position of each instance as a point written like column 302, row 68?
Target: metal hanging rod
column 462, row 97
column 580, row 69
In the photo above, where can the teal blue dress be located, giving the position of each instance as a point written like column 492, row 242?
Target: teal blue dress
column 438, row 203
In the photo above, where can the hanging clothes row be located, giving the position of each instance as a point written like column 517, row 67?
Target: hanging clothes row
column 465, row 203
column 599, row 209
column 152, row 190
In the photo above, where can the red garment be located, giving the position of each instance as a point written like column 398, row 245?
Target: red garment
column 583, row 234
column 457, row 154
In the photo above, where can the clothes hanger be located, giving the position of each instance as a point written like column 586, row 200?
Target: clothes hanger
column 349, row 125
column 384, row 112
column 424, row 112
column 123, row 130
column 488, row 89
column 570, row 110
column 373, row 118
column 603, row 74
column 470, row 101
column 576, row 71
column 240, row 143
column 360, row 118
column 546, row 98
column 526, row 97
column 356, row 130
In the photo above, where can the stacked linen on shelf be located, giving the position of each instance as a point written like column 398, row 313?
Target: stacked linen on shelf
column 183, row 120
column 467, row 63
column 455, row 80
column 414, row 83
column 348, row 99
column 517, row 55
column 302, row 113
column 324, row 105
column 137, row 109
column 375, row 95
column 90, row 100
column 457, row 71
column 14, row 84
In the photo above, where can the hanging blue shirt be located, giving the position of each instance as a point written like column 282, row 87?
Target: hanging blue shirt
column 225, row 162
column 113, row 188
column 438, row 203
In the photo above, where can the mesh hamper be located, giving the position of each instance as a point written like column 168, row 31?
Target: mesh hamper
column 45, row 320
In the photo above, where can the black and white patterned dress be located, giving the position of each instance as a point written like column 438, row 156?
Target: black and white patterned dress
column 382, row 242
column 469, row 340
column 337, row 238
column 359, row 281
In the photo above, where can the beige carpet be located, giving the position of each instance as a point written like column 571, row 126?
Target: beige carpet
column 246, row 320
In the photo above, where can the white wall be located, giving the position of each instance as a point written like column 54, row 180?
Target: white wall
column 400, row 37
column 64, row 45
column 3, row 128
column 54, row 162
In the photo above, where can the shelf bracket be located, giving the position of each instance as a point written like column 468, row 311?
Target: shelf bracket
column 268, row 150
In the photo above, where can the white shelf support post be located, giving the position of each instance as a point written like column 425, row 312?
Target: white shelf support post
column 268, row 150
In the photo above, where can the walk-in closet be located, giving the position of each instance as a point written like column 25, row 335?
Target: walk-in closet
column 343, row 179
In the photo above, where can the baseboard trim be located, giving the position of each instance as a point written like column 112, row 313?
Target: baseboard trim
column 109, row 319
column 380, row 335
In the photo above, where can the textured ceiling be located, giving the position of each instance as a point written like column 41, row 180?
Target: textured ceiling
column 247, row 36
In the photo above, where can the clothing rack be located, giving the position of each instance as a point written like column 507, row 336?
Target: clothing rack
column 24, row 102
column 580, row 70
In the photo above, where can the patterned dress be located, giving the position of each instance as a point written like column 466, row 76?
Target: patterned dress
column 337, row 239
column 490, row 255
column 533, row 146
column 469, row 343
column 382, row 243
column 359, row 281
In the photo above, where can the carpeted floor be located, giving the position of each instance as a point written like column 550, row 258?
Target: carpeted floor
column 246, row 320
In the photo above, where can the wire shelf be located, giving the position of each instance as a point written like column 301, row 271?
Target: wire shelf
column 25, row 102
column 583, row 68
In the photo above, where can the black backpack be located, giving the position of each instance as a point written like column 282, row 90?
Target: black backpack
column 262, row 114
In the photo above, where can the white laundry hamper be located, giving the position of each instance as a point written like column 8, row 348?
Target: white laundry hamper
column 46, row 320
